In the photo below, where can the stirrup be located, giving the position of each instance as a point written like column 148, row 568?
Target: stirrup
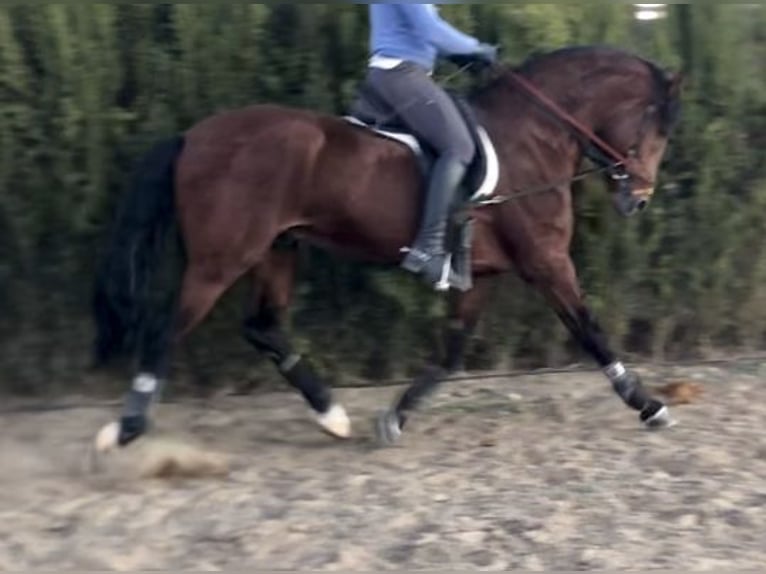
column 440, row 283
column 463, row 267
column 443, row 285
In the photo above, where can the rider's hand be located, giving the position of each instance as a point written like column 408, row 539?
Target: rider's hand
column 487, row 54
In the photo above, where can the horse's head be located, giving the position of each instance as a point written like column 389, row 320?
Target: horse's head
column 620, row 107
column 638, row 126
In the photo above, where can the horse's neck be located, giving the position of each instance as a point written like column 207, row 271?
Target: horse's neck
column 521, row 126
column 507, row 102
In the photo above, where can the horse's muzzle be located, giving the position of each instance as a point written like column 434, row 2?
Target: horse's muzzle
column 630, row 203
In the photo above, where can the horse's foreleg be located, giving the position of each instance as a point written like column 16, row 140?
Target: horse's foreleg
column 557, row 280
column 464, row 312
column 264, row 329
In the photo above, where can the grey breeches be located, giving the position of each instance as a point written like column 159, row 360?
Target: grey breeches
column 425, row 108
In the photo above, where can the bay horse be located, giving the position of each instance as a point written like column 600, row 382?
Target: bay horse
column 237, row 182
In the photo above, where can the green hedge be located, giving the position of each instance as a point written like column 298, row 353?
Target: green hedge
column 85, row 88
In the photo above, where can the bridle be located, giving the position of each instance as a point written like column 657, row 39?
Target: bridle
column 602, row 154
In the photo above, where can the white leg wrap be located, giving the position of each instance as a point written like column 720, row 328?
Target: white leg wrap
column 443, row 284
column 615, row 371
column 146, row 384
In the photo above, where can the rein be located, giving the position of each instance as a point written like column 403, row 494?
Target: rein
column 617, row 157
column 500, row 199
column 595, row 148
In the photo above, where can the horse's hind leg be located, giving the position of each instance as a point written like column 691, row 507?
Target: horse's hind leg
column 202, row 286
column 464, row 312
column 264, row 329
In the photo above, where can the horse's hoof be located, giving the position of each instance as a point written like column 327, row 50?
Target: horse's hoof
column 121, row 433
column 108, row 438
column 335, row 422
column 657, row 416
column 388, row 428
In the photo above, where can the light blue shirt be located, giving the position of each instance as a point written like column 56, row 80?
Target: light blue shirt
column 415, row 33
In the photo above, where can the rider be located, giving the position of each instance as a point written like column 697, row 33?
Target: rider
column 406, row 40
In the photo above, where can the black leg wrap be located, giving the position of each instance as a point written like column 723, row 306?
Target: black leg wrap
column 418, row 391
column 651, row 409
column 632, row 391
column 266, row 336
column 131, row 428
column 303, row 378
column 137, row 403
column 456, row 340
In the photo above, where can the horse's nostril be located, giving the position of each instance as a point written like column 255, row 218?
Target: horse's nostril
column 642, row 204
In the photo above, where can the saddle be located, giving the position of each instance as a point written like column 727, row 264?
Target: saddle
column 369, row 112
column 482, row 175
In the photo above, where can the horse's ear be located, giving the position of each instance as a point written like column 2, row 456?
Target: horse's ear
column 675, row 82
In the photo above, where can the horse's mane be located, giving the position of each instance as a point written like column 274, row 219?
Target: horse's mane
column 668, row 105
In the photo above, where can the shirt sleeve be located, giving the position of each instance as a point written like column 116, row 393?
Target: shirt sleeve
column 439, row 33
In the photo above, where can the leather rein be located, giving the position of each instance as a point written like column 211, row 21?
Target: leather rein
column 607, row 159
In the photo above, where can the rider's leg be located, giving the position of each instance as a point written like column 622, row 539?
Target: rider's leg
column 434, row 118
column 428, row 254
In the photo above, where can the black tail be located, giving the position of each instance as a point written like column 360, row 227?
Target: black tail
column 145, row 216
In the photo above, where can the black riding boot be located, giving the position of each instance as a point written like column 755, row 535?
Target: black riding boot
column 428, row 255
